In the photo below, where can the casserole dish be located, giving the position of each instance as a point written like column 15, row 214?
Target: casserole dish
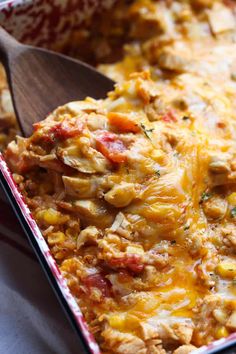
column 170, row 118
column 87, row 344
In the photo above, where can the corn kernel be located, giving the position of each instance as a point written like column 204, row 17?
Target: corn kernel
column 147, row 305
column 52, row 216
column 39, row 215
column 232, row 199
column 117, row 321
column 56, row 237
column 135, row 249
column 131, row 322
column 226, row 270
column 221, row 332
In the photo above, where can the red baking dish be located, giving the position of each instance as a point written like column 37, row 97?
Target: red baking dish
column 25, row 19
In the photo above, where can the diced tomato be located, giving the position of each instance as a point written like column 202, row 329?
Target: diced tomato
column 37, row 126
column 111, row 147
column 221, row 125
column 44, row 137
column 98, row 281
column 123, row 122
column 68, row 128
column 169, row 117
column 132, row 262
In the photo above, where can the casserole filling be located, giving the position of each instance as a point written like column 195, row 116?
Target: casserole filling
column 138, row 207
column 136, row 194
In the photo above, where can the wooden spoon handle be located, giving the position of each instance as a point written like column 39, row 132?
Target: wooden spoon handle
column 7, row 45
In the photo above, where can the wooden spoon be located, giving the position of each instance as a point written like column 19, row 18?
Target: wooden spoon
column 41, row 80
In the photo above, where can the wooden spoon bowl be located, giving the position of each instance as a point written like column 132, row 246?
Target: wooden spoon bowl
column 41, row 80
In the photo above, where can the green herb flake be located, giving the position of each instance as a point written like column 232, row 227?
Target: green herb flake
column 158, row 173
column 233, row 212
column 146, row 131
column 186, row 227
column 205, row 196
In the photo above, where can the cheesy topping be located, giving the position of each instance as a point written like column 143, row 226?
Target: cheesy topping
column 136, row 194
